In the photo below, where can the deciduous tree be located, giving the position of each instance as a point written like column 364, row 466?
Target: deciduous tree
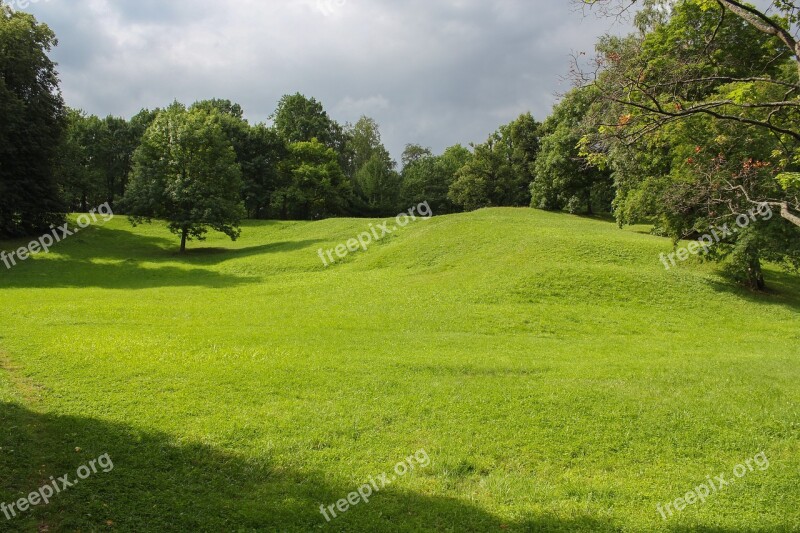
column 185, row 172
column 32, row 118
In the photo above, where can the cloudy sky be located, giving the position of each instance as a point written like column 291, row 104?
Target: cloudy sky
column 434, row 72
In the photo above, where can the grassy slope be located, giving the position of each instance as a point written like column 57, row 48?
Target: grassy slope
column 556, row 374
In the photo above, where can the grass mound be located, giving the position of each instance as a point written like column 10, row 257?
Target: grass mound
column 556, row 375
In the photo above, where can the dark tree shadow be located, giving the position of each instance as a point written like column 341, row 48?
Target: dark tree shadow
column 783, row 290
column 118, row 244
column 118, row 259
column 158, row 484
column 599, row 217
column 123, row 275
column 209, row 256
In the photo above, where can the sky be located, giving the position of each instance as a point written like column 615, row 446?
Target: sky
column 432, row 72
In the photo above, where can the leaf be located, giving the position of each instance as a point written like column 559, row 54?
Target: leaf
column 789, row 181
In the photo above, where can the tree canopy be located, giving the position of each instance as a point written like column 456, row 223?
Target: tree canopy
column 32, row 118
column 185, row 172
column 697, row 120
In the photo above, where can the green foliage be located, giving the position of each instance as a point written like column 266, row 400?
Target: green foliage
column 501, row 169
column 261, row 156
column 231, row 118
column 79, row 170
column 690, row 132
column 301, row 119
column 414, row 153
column 376, row 184
column 379, row 184
column 789, row 182
column 185, row 172
column 32, row 118
column 429, row 178
column 471, row 190
column 703, row 40
column 96, row 156
column 260, row 151
column 314, row 185
column 564, row 177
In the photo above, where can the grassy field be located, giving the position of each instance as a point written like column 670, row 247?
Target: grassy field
column 555, row 374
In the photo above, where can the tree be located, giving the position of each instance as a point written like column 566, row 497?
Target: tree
column 118, row 145
column 225, row 107
column 414, row 153
column 524, row 138
column 185, row 172
column 375, row 181
column 428, row 178
column 378, row 184
column 705, row 93
column 232, row 120
column 563, row 178
column 262, row 154
column 79, row 171
column 301, row 119
column 713, row 71
column 259, row 152
column 95, row 157
column 313, row 184
column 501, row 169
column 32, row 118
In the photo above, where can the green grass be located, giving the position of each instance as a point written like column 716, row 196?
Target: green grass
column 557, row 376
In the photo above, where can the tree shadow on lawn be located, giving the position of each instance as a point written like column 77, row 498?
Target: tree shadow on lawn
column 217, row 255
column 113, row 259
column 71, row 273
column 160, row 484
column 117, row 244
column 783, row 289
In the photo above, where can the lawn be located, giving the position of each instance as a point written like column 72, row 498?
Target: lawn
column 557, row 377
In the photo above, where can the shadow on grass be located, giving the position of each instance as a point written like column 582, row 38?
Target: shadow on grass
column 160, row 484
column 214, row 255
column 68, row 273
column 115, row 259
column 117, row 244
column 599, row 217
column 783, row 289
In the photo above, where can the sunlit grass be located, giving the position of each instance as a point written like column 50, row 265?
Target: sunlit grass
column 558, row 377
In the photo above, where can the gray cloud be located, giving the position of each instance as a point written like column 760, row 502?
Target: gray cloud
column 435, row 73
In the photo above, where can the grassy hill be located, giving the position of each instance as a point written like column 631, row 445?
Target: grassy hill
column 556, row 375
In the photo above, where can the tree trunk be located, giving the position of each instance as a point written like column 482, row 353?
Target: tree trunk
column 755, row 276
column 184, row 235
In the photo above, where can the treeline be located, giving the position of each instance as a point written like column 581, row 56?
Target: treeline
column 301, row 165
column 304, row 157
column 685, row 124
column 352, row 169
